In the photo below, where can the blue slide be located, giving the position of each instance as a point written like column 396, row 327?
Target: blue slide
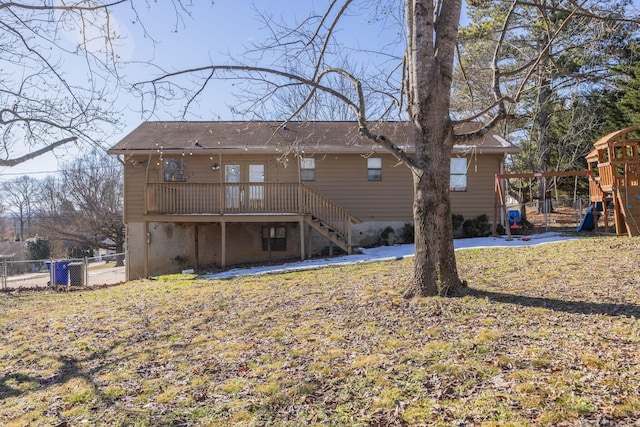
column 588, row 222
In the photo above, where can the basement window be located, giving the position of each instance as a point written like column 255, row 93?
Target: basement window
column 458, row 178
column 274, row 238
column 374, row 169
column 175, row 170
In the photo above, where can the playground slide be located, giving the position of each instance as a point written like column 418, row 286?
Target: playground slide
column 588, row 222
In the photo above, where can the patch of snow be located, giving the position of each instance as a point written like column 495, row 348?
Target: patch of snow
column 388, row 253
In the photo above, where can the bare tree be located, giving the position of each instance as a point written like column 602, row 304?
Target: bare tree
column 21, row 195
column 59, row 74
column 85, row 205
column 417, row 82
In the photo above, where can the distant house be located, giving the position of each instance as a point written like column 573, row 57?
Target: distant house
column 105, row 254
column 12, row 251
column 220, row 193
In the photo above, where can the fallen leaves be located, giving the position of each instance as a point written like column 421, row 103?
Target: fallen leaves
column 547, row 334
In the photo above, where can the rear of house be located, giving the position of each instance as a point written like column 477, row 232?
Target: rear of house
column 212, row 194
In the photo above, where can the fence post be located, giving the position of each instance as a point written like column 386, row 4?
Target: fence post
column 4, row 274
column 85, row 271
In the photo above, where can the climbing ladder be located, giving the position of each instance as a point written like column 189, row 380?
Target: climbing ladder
column 627, row 210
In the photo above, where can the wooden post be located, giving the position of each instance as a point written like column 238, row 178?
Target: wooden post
column 302, row 254
column 496, row 191
column 309, row 240
column 503, row 205
column 223, row 232
column 196, row 244
column 147, row 242
column 4, row 274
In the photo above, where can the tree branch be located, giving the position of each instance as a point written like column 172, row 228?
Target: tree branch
column 34, row 154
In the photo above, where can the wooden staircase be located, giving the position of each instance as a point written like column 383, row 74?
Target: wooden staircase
column 627, row 210
column 328, row 219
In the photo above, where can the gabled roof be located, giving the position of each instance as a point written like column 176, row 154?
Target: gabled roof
column 11, row 250
column 272, row 137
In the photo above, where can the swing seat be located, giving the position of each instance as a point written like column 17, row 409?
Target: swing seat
column 514, row 218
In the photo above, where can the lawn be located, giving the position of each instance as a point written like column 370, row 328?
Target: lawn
column 544, row 335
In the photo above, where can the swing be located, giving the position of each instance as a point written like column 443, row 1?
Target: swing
column 513, row 216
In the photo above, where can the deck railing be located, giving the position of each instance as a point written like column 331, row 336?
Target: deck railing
column 325, row 210
column 618, row 174
column 595, row 190
column 181, row 198
column 605, row 174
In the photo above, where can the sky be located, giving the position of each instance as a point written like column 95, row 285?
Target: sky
column 213, row 33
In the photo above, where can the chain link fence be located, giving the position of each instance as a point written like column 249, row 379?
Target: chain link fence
column 62, row 273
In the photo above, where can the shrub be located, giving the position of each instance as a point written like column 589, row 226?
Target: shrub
column 37, row 248
column 457, row 220
column 477, row 227
column 385, row 235
column 407, row 234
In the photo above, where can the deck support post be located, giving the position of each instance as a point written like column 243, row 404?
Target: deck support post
column 309, row 240
column 223, row 240
column 302, row 226
column 147, row 242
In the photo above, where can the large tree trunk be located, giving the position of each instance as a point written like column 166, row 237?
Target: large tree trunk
column 428, row 85
column 435, row 271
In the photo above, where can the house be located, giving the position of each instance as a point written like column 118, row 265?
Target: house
column 201, row 194
column 103, row 254
column 12, row 251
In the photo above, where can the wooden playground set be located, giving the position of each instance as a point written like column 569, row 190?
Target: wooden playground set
column 614, row 186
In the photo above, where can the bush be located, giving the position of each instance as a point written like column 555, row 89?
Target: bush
column 457, row 220
column 385, row 235
column 407, row 234
column 477, row 227
column 37, row 248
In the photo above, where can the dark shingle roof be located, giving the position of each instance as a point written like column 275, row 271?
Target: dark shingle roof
column 11, row 250
column 272, row 137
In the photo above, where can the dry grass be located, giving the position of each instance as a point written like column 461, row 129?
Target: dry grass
column 546, row 335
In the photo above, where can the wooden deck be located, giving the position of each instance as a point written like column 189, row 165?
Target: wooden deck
column 250, row 202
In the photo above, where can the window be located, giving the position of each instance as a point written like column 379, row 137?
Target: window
column 274, row 238
column 458, row 179
column 175, row 170
column 308, row 169
column 374, row 169
column 256, row 174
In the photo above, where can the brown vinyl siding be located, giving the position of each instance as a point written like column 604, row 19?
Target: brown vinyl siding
column 134, row 199
column 341, row 177
column 479, row 198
